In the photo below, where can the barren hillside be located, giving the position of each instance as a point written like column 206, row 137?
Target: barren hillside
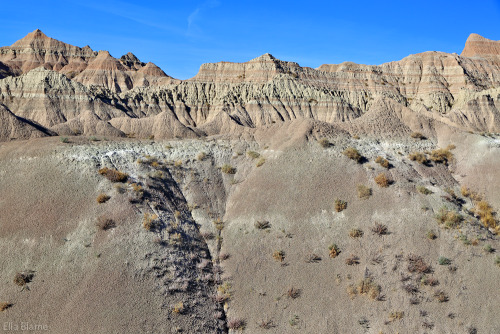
column 260, row 197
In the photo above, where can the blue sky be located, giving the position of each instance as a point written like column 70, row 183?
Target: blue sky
column 179, row 36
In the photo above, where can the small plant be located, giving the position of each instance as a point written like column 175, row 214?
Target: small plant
column 442, row 155
column 113, row 175
column 261, row 162
column 355, row 233
column 352, row 260
column 4, row 306
column 353, row 154
column 441, row 296
column 431, row 281
column 262, row 225
column 294, row 321
column 431, row 235
column 368, row 287
column 279, row 255
column 105, row 223
column 266, row 324
column 396, row 315
column 64, row 140
column 364, row 192
column 149, row 221
column 23, row 278
column 313, row 258
column 102, row 198
column 224, row 256
column 201, row 156
column 417, row 135
column 340, row 205
column 380, row 229
column 293, row 293
column 324, row 143
column 334, row 251
column 228, row 169
column 487, row 216
column 419, row 157
column 253, row 154
column 463, row 238
column 178, row 308
column 382, row 162
column 382, row 180
column 497, row 260
column 219, row 224
column 416, row 264
column 443, row 261
column 448, row 218
column 423, row 190
column 488, row 249
column 236, row 324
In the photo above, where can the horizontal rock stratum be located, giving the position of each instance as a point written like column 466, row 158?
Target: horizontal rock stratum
column 65, row 89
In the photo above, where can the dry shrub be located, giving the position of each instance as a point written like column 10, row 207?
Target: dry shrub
column 396, row 315
column 382, row 180
column 253, row 154
column 219, row 224
column 261, row 162
column 419, row 157
column 423, row 190
column 334, row 251
column 293, row 293
column 353, row 154
column 364, row 192
column 416, row 264
column 201, row 156
column 228, row 169
column 380, row 229
column 417, row 135
column 4, row 306
column 23, row 278
column 113, row 175
column 382, row 162
column 448, row 218
column 236, row 324
column 442, row 155
column 352, row 260
column 266, row 324
column 102, row 198
column 368, row 287
column 340, row 205
column 485, row 212
column 262, row 225
column 105, row 223
column 178, row 308
column 149, row 221
column 355, row 233
column 441, row 296
column 279, row 255
column 324, row 143
column 313, row 258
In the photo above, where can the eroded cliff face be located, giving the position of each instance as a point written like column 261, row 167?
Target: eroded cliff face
column 80, row 88
column 81, row 64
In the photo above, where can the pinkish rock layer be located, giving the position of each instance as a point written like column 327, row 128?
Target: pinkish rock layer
column 478, row 46
column 230, row 98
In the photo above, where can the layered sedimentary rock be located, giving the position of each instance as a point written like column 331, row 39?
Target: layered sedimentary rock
column 83, row 64
column 63, row 87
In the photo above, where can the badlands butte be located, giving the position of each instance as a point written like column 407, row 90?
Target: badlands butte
column 257, row 197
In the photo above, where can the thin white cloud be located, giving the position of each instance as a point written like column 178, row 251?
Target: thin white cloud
column 193, row 29
column 139, row 14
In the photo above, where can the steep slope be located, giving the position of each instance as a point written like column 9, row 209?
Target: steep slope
column 13, row 127
column 91, row 67
column 478, row 46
